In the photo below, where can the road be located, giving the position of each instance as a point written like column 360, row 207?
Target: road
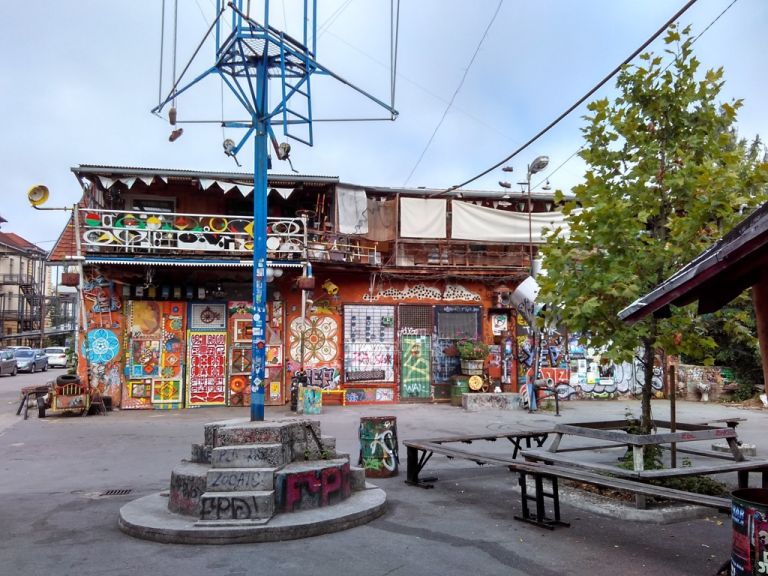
column 58, row 518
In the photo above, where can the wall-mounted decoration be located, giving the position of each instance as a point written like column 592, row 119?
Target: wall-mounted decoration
column 242, row 330
column 316, row 340
column 452, row 293
column 207, row 368
column 140, row 388
column 208, row 317
column 166, row 391
column 369, row 342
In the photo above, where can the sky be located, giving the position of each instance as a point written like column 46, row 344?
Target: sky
column 474, row 81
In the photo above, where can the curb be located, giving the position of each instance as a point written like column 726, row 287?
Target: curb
column 148, row 518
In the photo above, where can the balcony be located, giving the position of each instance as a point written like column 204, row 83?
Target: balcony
column 426, row 255
column 120, row 233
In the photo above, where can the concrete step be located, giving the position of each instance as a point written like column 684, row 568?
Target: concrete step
column 250, row 456
column 201, row 453
column 246, row 505
column 313, row 484
column 240, row 479
column 188, row 484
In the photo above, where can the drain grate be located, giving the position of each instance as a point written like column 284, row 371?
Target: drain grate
column 119, row 492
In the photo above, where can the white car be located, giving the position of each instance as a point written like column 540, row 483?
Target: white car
column 57, row 356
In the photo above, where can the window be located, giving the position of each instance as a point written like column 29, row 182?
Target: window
column 150, row 204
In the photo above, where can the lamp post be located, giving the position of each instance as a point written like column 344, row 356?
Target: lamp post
column 538, row 164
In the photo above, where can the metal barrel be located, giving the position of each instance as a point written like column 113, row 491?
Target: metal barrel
column 378, row 446
column 749, row 515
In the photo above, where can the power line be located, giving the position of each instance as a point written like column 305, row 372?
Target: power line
column 699, row 35
column 456, row 92
column 578, row 103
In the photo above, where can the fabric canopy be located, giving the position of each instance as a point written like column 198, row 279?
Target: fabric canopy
column 351, row 210
column 470, row 222
column 422, row 218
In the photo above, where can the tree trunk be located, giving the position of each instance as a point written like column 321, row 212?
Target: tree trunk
column 649, row 346
column 645, row 402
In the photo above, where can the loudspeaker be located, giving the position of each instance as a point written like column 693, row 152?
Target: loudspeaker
column 37, row 195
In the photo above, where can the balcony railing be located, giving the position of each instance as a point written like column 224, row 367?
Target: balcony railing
column 135, row 232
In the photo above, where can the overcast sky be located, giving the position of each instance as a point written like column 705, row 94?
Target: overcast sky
column 79, row 79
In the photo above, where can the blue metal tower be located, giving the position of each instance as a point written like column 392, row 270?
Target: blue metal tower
column 248, row 55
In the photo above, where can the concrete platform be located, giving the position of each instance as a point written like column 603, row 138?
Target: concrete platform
column 149, row 518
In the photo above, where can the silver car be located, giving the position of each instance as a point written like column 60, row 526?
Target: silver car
column 8, row 362
column 57, row 356
column 31, row 360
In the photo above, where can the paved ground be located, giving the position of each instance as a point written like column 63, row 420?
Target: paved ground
column 56, row 520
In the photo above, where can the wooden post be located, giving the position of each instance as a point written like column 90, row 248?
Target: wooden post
column 672, row 411
column 760, row 302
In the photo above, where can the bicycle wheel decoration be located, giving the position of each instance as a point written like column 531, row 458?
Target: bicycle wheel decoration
column 101, row 346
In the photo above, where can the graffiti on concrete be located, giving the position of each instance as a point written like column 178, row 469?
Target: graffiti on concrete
column 314, row 488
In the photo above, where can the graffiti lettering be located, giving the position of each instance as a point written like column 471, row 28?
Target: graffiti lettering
column 315, row 488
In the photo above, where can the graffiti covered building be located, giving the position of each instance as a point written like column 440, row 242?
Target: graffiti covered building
column 369, row 288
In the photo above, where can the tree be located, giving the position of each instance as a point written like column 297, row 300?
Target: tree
column 666, row 176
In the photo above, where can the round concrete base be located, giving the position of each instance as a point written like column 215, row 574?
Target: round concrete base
column 149, row 518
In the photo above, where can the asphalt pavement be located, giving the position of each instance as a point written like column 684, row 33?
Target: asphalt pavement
column 64, row 480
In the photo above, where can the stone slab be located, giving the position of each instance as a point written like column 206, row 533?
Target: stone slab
column 490, row 401
column 745, row 449
column 250, row 505
column 240, row 479
column 148, row 518
column 249, row 456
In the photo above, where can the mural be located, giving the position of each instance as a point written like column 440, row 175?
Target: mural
column 207, row 369
column 154, row 366
column 414, row 368
column 101, row 354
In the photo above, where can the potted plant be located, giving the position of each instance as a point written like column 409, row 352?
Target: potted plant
column 472, row 354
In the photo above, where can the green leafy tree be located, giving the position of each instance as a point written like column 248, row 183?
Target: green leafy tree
column 665, row 177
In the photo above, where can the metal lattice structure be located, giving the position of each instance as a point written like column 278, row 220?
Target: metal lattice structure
column 249, row 54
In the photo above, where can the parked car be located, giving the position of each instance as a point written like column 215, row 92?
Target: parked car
column 8, row 362
column 30, row 360
column 57, row 356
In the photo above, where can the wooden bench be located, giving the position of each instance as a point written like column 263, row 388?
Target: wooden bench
column 742, row 468
column 420, row 451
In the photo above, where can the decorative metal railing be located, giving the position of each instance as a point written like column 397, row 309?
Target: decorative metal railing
column 136, row 232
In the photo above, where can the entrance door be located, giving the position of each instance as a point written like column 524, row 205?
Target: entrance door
column 415, row 332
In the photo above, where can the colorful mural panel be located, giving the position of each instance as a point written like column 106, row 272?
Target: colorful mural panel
column 154, row 364
column 414, row 369
column 207, row 368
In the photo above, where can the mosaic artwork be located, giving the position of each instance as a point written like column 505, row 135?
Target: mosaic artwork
column 320, row 342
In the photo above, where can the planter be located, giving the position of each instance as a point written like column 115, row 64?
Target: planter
column 471, row 367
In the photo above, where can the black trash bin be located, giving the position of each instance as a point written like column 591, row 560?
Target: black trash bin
column 749, row 515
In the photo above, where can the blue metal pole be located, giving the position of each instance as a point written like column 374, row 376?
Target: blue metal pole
column 260, row 145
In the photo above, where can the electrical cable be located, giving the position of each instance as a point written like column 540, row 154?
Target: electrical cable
column 456, row 92
column 162, row 50
column 699, row 35
column 394, row 27
column 576, row 104
column 175, row 38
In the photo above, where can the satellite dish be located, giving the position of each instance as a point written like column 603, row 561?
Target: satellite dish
column 37, row 195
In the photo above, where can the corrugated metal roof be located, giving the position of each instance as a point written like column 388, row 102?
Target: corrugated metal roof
column 101, row 170
column 715, row 276
column 185, row 262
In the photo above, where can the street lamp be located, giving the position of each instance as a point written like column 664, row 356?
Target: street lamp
column 538, row 164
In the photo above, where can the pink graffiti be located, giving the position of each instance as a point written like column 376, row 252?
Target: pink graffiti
column 323, row 482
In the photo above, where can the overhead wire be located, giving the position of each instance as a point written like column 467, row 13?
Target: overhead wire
column 576, row 104
column 456, row 92
column 699, row 35
column 162, row 52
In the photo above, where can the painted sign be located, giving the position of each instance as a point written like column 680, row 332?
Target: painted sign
column 207, row 368
column 414, row 366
